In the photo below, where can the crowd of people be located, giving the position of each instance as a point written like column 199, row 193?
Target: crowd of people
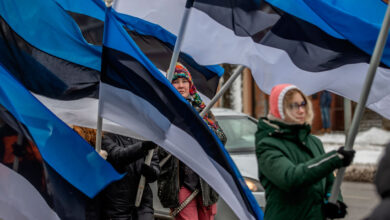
column 294, row 169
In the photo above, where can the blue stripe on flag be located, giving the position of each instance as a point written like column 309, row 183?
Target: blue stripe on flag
column 47, row 26
column 92, row 8
column 348, row 18
column 70, row 155
column 299, row 9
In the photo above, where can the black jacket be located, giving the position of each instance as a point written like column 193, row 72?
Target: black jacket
column 126, row 155
column 169, row 182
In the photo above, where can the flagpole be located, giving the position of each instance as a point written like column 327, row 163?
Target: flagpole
column 374, row 62
column 233, row 77
column 175, row 56
column 99, row 125
column 179, row 40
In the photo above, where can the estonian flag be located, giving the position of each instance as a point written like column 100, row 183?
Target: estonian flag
column 55, row 165
column 135, row 94
column 59, row 63
column 302, row 48
column 154, row 41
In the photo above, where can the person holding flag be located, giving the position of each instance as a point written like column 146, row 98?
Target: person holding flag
column 127, row 154
column 296, row 173
column 179, row 187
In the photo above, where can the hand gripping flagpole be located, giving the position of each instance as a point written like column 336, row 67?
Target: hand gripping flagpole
column 175, row 56
column 374, row 62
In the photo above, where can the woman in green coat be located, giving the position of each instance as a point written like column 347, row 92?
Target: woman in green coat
column 293, row 168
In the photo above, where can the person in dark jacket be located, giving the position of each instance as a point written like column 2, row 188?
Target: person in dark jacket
column 296, row 173
column 325, row 102
column 127, row 155
column 382, row 183
column 177, row 181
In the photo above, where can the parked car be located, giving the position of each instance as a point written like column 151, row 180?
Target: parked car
column 239, row 129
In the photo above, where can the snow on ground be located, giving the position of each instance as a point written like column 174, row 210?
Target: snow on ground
column 369, row 145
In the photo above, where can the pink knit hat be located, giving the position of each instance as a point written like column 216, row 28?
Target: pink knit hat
column 276, row 99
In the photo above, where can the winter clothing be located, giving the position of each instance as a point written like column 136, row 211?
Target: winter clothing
column 382, row 182
column 194, row 98
column 176, row 179
column 294, row 170
column 325, row 101
column 347, row 156
column 127, row 155
column 276, row 98
column 335, row 210
column 195, row 210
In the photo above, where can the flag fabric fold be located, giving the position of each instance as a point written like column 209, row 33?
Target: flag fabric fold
column 64, row 150
column 135, row 94
column 59, row 59
column 30, row 188
column 350, row 20
column 155, row 42
column 285, row 52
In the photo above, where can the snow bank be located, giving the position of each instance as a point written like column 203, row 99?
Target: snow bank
column 373, row 136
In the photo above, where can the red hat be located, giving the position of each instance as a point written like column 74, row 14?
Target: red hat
column 276, row 99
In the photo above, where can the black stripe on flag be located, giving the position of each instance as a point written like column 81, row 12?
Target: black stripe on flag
column 43, row 73
column 160, row 54
column 243, row 17
column 309, row 47
column 41, row 190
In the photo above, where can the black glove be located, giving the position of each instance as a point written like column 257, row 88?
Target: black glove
column 332, row 210
column 347, row 154
column 19, row 150
column 148, row 145
column 149, row 173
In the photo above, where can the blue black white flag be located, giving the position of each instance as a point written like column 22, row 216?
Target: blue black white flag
column 59, row 59
column 301, row 48
column 135, row 94
column 153, row 40
column 56, row 171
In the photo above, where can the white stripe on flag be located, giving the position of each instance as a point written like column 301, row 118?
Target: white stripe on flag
column 123, row 107
column 82, row 112
column 20, row 200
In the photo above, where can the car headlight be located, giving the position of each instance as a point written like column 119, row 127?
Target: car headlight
column 253, row 185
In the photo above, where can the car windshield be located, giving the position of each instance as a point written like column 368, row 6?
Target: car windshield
column 240, row 132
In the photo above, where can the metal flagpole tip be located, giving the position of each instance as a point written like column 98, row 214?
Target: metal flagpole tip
column 108, row 3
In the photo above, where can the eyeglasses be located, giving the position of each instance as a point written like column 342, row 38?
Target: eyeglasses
column 296, row 106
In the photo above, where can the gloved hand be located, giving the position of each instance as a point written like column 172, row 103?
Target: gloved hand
column 148, row 145
column 348, row 156
column 149, row 173
column 332, row 210
column 19, row 150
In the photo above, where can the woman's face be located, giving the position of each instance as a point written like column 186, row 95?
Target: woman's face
column 297, row 109
column 183, row 86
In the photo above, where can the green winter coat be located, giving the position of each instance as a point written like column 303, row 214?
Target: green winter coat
column 294, row 170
